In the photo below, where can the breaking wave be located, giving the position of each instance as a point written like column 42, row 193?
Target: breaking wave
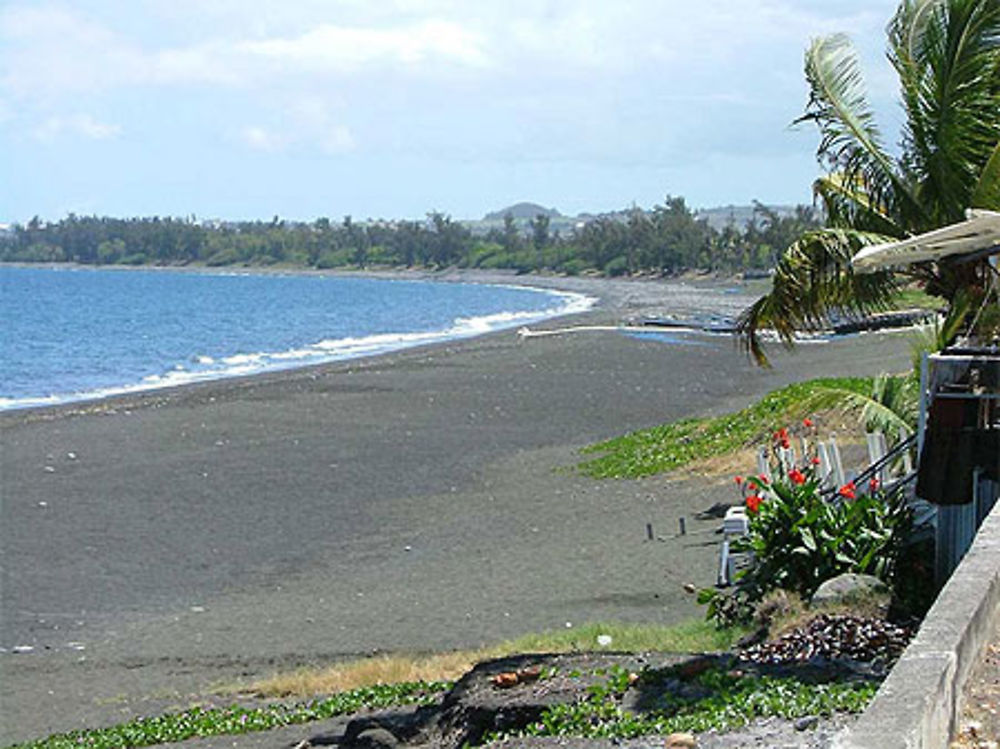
column 202, row 367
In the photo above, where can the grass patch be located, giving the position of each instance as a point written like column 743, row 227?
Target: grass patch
column 720, row 700
column 678, row 444
column 696, row 636
column 914, row 298
column 202, row 722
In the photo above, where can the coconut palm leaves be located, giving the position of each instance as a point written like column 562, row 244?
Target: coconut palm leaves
column 947, row 55
column 850, row 141
column 813, row 278
column 889, row 407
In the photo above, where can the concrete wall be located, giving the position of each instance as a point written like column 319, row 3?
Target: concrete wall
column 918, row 705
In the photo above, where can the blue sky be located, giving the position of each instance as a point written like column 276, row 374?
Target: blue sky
column 391, row 108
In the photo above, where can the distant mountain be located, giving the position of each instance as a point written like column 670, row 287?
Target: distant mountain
column 739, row 215
column 717, row 217
column 522, row 211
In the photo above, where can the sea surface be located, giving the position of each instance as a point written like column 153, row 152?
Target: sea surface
column 72, row 334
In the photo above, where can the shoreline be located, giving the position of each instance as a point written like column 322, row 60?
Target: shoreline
column 597, row 293
column 423, row 500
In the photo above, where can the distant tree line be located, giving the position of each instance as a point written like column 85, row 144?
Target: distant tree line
column 665, row 240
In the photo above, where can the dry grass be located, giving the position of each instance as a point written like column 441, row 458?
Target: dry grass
column 721, row 468
column 382, row 669
column 694, row 636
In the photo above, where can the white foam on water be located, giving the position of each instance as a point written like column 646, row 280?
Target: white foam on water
column 206, row 368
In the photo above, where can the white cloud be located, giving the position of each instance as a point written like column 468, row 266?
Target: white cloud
column 80, row 124
column 262, row 139
column 336, row 49
column 336, row 140
column 306, row 124
column 50, row 51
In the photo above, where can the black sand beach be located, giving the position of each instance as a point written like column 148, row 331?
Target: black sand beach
column 154, row 545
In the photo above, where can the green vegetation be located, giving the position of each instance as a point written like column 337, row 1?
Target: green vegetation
column 201, row 722
column 800, row 539
column 722, row 700
column 946, row 56
column 913, row 298
column 801, row 536
column 688, row 637
column 664, row 448
column 664, row 240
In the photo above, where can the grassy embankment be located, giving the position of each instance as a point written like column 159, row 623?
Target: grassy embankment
column 687, row 442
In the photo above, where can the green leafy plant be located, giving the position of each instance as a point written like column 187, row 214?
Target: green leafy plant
column 720, row 700
column 800, row 536
column 202, row 722
column 800, row 539
column 727, row 609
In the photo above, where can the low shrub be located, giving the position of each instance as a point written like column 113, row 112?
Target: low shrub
column 801, row 536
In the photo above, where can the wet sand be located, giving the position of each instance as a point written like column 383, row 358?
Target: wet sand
column 154, row 545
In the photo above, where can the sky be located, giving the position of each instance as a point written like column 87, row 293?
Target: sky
column 245, row 109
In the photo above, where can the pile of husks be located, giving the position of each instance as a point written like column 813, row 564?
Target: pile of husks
column 834, row 637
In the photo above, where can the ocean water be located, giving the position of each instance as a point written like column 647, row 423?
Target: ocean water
column 81, row 334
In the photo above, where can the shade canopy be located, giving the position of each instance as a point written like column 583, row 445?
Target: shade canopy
column 979, row 233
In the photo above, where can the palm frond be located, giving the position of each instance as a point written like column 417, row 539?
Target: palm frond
column 986, row 193
column 890, row 407
column 849, row 206
column 850, row 141
column 947, row 54
column 813, row 281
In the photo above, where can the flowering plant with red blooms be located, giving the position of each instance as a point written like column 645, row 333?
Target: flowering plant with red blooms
column 801, row 535
column 848, row 491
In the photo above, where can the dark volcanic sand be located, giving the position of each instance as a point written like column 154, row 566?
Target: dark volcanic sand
column 406, row 502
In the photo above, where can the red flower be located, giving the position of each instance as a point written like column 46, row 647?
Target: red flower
column 763, row 479
column 814, row 461
column 797, row 476
column 738, row 480
column 873, row 484
column 785, row 443
column 848, row 491
column 753, row 502
column 807, row 422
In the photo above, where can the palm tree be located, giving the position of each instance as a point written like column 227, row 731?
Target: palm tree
column 947, row 56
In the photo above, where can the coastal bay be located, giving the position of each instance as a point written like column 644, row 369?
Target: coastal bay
column 156, row 544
